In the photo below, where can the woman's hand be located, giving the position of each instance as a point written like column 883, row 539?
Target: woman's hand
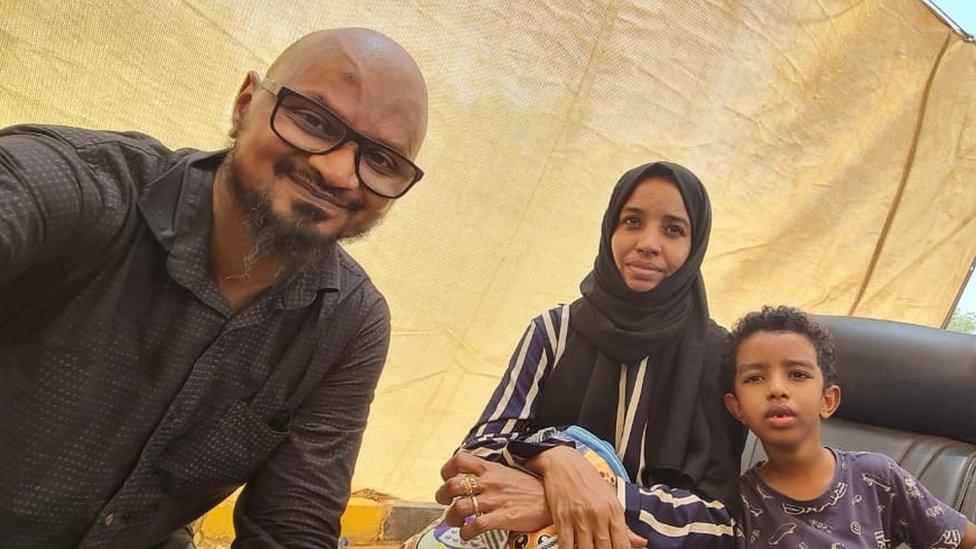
column 584, row 507
column 508, row 499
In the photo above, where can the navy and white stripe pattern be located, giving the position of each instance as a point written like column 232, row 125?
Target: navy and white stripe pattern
column 667, row 517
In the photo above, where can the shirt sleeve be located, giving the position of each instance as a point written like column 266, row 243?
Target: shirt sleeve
column 45, row 190
column 671, row 517
column 297, row 498
column 919, row 518
column 503, row 433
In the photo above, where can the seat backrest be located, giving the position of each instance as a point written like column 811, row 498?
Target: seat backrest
column 908, row 392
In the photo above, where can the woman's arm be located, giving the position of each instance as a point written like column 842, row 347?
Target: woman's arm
column 673, row 517
column 563, row 489
column 585, row 508
column 510, row 499
column 502, row 433
column 658, row 517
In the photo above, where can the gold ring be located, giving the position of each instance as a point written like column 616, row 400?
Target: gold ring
column 474, row 503
column 469, row 483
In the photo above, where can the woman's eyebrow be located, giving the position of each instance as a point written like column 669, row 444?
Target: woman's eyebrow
column 677, row 219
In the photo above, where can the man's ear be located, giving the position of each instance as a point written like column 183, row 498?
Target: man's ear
column 830, row 401
column 242, row 101
column 732, row 405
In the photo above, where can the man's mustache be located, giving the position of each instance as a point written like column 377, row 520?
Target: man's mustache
column 289, row 167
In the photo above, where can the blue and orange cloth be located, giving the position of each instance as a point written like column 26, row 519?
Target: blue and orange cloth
column 441, row 535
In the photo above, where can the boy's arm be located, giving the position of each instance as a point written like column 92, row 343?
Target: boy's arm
column 969, row 538
column 925, row 520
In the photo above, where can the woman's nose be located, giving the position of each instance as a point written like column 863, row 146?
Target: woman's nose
column 649, row 243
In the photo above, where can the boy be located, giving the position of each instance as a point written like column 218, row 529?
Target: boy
column 807, row 495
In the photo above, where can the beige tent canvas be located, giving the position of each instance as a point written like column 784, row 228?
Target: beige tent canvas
column 837, row 139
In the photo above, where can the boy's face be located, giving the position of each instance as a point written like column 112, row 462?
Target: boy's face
column 778, row 391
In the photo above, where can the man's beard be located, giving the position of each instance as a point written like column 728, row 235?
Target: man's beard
column 293, row 242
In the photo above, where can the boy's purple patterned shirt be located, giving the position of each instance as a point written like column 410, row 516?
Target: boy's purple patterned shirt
column 870, row 502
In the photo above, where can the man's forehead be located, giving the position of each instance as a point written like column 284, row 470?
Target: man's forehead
column 369, row 91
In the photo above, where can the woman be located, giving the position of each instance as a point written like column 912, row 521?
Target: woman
column 636, row 361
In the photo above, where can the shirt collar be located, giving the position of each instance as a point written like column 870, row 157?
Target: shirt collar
column 302, row 287
column 159, row 201
column 178, row 208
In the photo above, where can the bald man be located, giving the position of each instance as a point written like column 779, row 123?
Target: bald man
column 176, row 324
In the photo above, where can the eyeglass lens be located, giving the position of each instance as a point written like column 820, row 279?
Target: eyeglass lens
column 313, row 129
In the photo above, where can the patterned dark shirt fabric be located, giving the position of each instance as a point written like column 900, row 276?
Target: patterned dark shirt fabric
column 870, row 502
column 131, row 398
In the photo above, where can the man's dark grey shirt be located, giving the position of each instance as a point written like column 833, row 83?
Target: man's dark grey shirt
column 131, row 398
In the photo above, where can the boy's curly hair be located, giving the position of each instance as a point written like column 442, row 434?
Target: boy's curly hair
column 786, row 319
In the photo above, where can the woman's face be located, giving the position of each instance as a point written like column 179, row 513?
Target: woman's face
column 653, row 235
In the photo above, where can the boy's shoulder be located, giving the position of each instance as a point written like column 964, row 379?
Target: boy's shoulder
column 864, row 461
column 871, row 468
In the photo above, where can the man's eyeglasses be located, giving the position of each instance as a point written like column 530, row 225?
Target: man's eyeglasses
column 310, row 126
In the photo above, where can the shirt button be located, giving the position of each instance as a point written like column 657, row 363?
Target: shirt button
column 109, row 518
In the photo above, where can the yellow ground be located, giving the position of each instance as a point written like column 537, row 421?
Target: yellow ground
column 362, row 522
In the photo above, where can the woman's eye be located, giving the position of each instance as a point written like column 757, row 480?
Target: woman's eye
column 752, row 378
column 630, row 220
column 674, row 230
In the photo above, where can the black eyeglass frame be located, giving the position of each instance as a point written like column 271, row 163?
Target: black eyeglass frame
column 281, row 92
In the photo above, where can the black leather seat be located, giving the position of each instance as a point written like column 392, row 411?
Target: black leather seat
column 909, row 392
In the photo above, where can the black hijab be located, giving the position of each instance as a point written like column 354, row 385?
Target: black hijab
column 690, row 441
